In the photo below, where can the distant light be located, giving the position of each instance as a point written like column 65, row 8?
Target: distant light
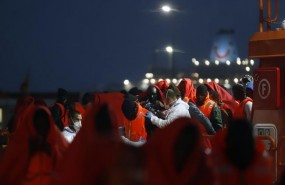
column 168, row 80
column 149, row 75
column 166, row 8
column 169, row 49
column 238, row 61
column 152, row 81
column 159, row 80
column 226, row 81
column 228, row 62
column 207, row 63
column 217, row 62
column 251, row 62
column 209, row 80
column 217, row 80
column 174, row 80
column 197, row 63
column 146, row 81
column 236, row 80
column 201, row 81
column 194, row 60
column 247, row 68
column 195, row 75
column 245, row 62
column 126, row 82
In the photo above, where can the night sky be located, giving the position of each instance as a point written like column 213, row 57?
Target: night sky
column 85, row 45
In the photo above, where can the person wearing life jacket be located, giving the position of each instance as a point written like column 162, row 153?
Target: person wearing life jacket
column 134, row 127
column 61, row 108
column 208, row 107
column 34, row 151
column 187, row 89
column 175, row 155
column 226, row 116
column 244, row 109
column 238, row 158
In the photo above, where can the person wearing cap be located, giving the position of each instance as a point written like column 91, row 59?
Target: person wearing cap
column 243, row 111
column 175, row 108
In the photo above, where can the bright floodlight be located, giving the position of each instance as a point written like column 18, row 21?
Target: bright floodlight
column 152, row 81
column 149, row 75
column 174, row 80
column 217, row 80
column 247, row 68
column 126, row 82
column 236, row 80
column 228, row 62
column 169, row 49
column 201, row 80
column 209, row 80
column 207, row 62
column 166, row 8
column 168, row 80
column 217, row 62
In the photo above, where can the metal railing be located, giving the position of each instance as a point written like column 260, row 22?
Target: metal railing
column 268, row 19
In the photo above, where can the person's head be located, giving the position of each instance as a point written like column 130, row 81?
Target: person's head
column 215, row 96
column 87, row 98
column 249, row 89
column 152, row 93
column 129, row 109
column 76, row 118
column 239, row 92
column 201, row 93
column 170, row 98
column 62, row 95
column 175, row 89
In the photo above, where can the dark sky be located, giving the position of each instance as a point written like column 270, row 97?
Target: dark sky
column 84, row 45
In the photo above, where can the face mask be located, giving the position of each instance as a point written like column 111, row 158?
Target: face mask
column 77, row 125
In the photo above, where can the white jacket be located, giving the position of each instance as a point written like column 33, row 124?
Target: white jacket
column 68, row 134
column 177, row 110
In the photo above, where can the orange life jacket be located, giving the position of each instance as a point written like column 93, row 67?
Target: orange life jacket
column 239, row 111
column 207, row 107
column 135, row 129
column 64, row 114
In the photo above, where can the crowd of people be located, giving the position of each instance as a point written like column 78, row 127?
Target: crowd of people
column 167, row 134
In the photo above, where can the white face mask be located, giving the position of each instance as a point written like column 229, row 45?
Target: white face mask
column 77, row 125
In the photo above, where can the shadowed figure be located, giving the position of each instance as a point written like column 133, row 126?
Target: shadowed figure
column 175, row 155
column 239, row 158
column 34, row 151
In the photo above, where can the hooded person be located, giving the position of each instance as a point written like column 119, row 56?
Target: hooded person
column 174, row 155
column 35, row 149
column 208, row 107
column 61, row 108
column 93, row 151
column 229, row 103
column 244, row 109
column 240, row 159
column 134, row 128
column 187, row 89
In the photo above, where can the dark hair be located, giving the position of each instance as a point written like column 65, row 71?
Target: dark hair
column 202, row 90
column 175, row 89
